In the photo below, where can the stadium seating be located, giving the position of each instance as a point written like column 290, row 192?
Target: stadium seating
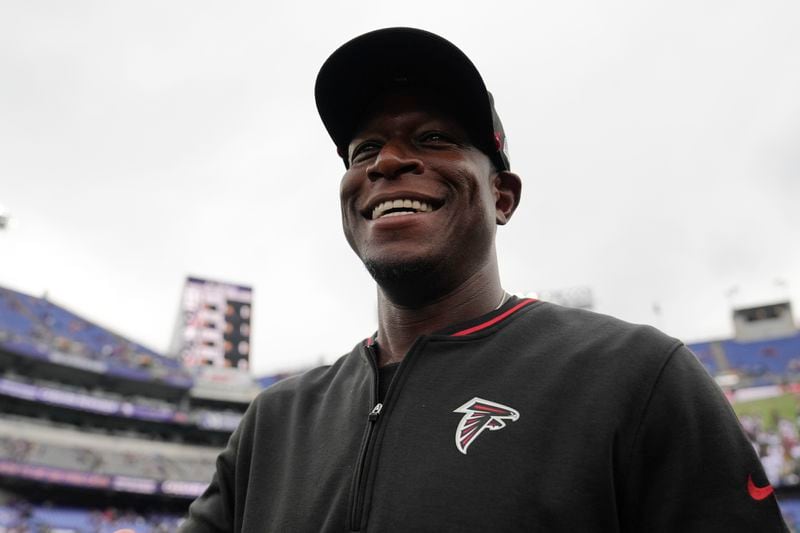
column 19, row 312
column 132, row 440
column 27, row 323
column 40, row 519
column 774, row 359
column 776, row 356
column 64, row 448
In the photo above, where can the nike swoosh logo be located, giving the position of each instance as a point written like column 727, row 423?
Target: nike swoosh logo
column 758, row 493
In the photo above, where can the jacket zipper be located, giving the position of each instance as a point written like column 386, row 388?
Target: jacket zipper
column 359, row 476
column 359, row 487
column 360, row 480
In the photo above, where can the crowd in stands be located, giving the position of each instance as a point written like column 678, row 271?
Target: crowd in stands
column 754, row 362
column 42, row 325
column 778, row 357
column 96, row 392
column 24, row 517
column 778, row 447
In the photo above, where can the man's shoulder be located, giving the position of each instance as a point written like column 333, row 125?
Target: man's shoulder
column 594, row 323
column 587, row 332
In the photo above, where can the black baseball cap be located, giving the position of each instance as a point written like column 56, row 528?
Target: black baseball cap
column 372, row 64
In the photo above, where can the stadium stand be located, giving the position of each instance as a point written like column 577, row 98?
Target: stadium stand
column 51, row 519
column 779, row 357
column 98, row 432
column 754, row 362
column 39, row 328
column 28, row 443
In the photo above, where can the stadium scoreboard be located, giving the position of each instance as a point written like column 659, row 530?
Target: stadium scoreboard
column 213, row 327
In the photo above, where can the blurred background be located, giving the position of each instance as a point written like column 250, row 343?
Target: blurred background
column 169, row 223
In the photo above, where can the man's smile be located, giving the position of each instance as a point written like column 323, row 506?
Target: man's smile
column 400, row 204
column 392, row 208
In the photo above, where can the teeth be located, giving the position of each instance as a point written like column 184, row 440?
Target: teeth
column 415, row 205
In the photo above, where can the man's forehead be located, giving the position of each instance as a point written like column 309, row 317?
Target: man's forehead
column 417, row 104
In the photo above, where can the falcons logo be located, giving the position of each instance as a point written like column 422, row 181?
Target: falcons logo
column 480, row 414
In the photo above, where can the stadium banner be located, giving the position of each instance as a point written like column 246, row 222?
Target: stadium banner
column 179, row 381
column 49, row 474
column 78, row 361
column 136, row 485
column 218, row 421
column 93, row 404
column 18, row 390
column 83, row 402
column 146, row 412
column 73, row 400
column 187, row 489
column 748, row 394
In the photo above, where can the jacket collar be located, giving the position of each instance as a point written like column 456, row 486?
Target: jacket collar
column 481, row 323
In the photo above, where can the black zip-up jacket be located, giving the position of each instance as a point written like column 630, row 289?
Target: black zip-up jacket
column 531, row 418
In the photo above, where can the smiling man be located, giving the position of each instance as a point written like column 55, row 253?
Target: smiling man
column 470, row 409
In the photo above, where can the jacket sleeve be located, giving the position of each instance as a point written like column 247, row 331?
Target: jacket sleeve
column 691, row 466
column 213, row 511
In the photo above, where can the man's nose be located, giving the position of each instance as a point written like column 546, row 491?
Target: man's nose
column 393, row 161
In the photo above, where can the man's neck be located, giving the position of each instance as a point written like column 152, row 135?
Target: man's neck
column 399, row 326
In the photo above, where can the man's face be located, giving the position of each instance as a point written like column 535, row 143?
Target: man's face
column 418, row 196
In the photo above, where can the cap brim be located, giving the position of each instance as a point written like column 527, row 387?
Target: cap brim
column 369, row 65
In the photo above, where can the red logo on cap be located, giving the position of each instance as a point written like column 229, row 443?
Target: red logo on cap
column 498, row 141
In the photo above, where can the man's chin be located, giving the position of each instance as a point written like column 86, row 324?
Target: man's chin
column 408, row 283
column 387, row 273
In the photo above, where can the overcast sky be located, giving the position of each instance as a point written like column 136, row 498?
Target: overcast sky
column 140, row 142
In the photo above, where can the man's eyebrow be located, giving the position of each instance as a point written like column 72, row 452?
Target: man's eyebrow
column 440, row 123
column 357, row 139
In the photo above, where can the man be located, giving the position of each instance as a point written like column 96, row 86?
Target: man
column 469, row 409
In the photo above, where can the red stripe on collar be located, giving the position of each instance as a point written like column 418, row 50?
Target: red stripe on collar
column 495, row 320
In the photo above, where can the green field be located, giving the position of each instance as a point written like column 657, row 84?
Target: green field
column 769, row 409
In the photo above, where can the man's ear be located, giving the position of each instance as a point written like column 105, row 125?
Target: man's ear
column 507, row 193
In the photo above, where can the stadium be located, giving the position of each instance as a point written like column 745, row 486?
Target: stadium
column 99, row 433
column 141, row 143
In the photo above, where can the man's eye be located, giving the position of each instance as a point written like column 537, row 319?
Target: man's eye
column 435, row 137
column 364, row 150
